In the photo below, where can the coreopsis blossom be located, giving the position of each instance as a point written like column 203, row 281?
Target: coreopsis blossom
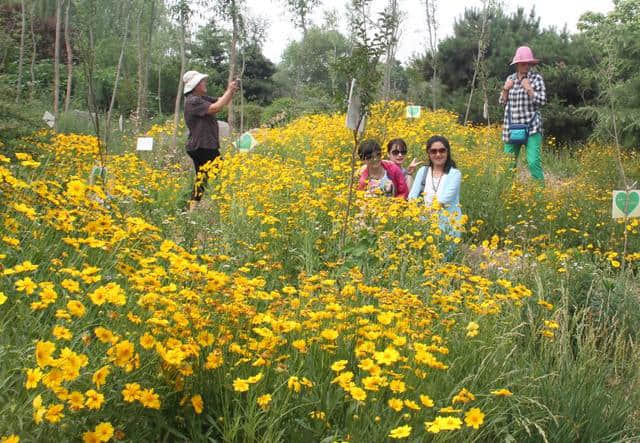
column 264, row 401
column 33, row 378
column 94, row 399
column 240, row 385
column 149, row 399
column 502, row 392
column 131, row 392
column 400, row 432
column 197, row 403
column 474, row 418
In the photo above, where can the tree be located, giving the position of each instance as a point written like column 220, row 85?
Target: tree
column 182, row 10
column 23, row 27
column 117, row 77
column 431, row 9
column 480, row 67
column 301, row 9
column 56, row 61
column 311, row 63
column 362, row 66
column 230, row 9
column 392, row 45
column 67, row 41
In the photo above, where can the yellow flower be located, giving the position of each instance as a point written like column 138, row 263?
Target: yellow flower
column 329, row 334
column 397, row 386
column 104, row 431
column 76, row 308
column 54, row 413
column 426, row 400
column 3, row 298
column 472, row 329
column 464, row 396
column 240, row 385
column 26, row 285
column 147, row 341
column 94, row 399
column 358, row 393
column 13, row 438
column 264, row 401
column 197, row 403
column 214, row 360
column 131, row 392
column 149, row 399
column 502, row 392
column 90, row 437
column 44, row 350
column 400, row 432
column 100, row 376
column 339, row 365
column 62, row 333
column 76, row 400
column 396, row 404
column 474, row 418
column 387, row 357
column 33, row 378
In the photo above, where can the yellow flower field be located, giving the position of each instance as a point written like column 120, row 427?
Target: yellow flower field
column 126, row 319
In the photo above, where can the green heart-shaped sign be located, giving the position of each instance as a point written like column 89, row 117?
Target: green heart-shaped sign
column 627, row 202
column 246, row 141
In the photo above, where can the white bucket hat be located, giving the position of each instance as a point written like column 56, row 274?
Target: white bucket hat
column 191, row 80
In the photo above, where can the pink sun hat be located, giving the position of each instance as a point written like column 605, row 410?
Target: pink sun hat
column 524, row 54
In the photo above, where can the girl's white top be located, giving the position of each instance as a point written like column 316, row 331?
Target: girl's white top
column 431, row 187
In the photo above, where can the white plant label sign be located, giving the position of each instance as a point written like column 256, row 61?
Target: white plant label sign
column 145, row 144
column 49, row 119
column 626, row 204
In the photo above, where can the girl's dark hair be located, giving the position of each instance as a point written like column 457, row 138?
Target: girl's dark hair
column 368, row 148
column 449, row 163
column 396, row 142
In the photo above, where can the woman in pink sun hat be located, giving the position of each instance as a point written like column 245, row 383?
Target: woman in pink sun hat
column 523, row 94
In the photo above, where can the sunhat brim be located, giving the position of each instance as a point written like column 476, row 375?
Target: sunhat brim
column 192, row 83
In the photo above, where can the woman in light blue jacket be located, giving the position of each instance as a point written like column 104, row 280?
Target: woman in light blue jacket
column 440, row 180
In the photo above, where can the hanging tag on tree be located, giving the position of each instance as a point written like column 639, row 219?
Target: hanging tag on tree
column 353, row 120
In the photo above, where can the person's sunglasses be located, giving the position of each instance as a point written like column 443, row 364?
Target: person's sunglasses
column 399, row 151
column 438, row 151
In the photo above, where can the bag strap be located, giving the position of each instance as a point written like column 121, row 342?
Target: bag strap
column 423, row 182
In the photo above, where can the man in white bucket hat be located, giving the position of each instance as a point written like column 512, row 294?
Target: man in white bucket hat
column 203, row 143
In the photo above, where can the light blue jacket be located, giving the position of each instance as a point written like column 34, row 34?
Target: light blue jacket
column 448, row 195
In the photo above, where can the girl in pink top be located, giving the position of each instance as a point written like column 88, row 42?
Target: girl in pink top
column 380, row 177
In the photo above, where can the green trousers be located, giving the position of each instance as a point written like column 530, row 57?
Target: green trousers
column 533, row 148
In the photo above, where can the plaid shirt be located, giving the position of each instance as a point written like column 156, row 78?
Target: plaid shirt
column 522, row 107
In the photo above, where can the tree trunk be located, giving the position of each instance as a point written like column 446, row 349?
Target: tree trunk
column 432, row 44
column 147, row 58
column 159, row 89
column 233, row 60
column 56, row 62
column 32, row 19
column 183, row 62
column 390, row 51
column 115, row 83
column 21, row 59
column 141, row 70
column 67, row 40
